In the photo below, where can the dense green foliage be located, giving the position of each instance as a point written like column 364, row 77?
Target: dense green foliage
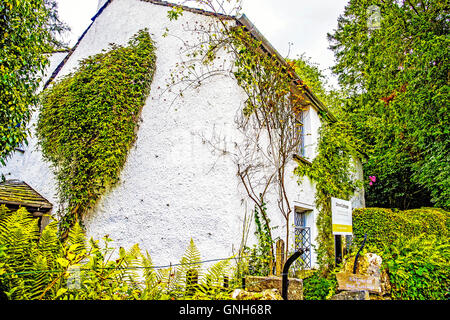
column 314, row 78
column 33, row 262
column 331, row 168
column 396, row 81
column 88, row 121
column 317, row 287
column 38, row 265
column 27, row 33
column 21, row 252
column 419, row 267
column 415, row 248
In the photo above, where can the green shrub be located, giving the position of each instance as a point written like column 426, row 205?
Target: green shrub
column 317, row 287
column 419, row 267
column 384, row 226
column 432, row 220
column 414, row 247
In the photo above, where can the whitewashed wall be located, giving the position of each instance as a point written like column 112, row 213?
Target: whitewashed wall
column 172, row 187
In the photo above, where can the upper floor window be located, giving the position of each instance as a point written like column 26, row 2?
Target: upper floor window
column 302, row 132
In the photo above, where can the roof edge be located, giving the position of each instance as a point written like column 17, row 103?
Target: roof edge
column 245, row 21
column 35, row 204
column 190, row 9
column 242, row 19
column 63, row 62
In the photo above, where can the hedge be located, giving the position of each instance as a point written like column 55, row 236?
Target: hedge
column 414, row 246
column 384, row 226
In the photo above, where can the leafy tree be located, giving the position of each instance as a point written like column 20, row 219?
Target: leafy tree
column 396, row 78
column 312, row 77
column 28, row 30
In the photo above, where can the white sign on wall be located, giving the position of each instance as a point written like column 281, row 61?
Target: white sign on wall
column 341, row 217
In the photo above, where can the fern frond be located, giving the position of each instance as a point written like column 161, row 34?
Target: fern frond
column 49, row 244
column 188, row 267
column 216, row 273
column 76, row 239
column 24, row 259
column 4, row 212
column 191, row 259
column 129, row 260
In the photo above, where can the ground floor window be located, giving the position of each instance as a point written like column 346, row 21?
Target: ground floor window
column 303, row 239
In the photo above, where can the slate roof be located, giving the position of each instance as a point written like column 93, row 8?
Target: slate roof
column 16, row 193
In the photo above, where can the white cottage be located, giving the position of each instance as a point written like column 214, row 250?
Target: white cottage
column 173, row 186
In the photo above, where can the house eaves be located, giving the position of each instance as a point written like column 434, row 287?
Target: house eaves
column 190, row 9
column 244, row 21
column 71, row 51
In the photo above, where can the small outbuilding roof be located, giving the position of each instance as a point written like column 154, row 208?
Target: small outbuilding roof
column 16, row 193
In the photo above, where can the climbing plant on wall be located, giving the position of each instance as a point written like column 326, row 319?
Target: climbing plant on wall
column 330, row 171
column 270, row 118
column 332, row 168
column 88, row 122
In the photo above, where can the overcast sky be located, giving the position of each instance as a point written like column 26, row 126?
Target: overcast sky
column 304, row 23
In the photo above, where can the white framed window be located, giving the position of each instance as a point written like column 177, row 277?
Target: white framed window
column 303, row 130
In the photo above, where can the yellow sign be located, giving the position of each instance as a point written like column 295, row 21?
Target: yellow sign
column 342, row 228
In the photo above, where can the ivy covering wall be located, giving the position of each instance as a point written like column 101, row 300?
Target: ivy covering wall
column 331, row 172
column 88, row 122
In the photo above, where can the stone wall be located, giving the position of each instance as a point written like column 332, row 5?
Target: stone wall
column 260, row 284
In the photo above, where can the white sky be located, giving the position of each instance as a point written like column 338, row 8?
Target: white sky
column 304, row 23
